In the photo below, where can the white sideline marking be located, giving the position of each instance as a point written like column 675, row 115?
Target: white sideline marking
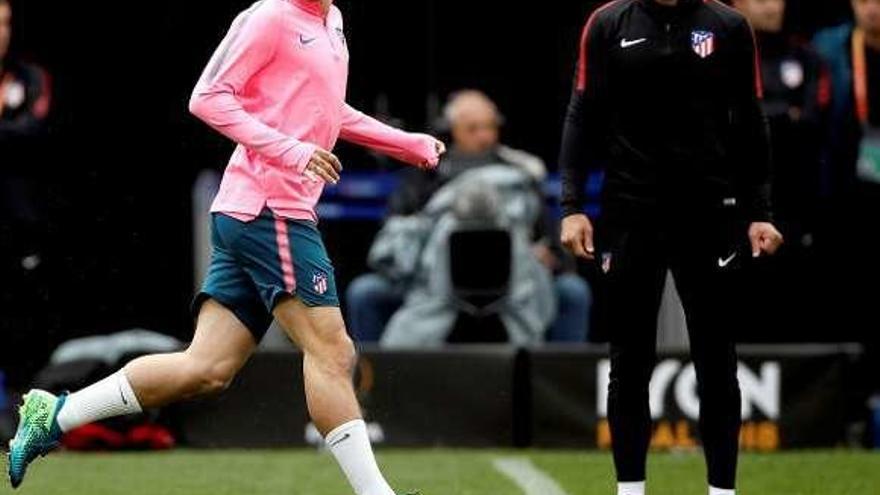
column 527, row 476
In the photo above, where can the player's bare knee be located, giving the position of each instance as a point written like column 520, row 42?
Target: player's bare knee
column 344, row 355
column 216, row 380
column 203, row 377
column 337, row 353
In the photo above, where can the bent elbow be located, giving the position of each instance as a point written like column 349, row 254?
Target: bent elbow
column 199, row 105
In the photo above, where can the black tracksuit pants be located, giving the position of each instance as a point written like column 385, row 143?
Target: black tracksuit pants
column 705, row 249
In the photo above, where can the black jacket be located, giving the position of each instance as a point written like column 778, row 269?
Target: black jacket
column 667, row 101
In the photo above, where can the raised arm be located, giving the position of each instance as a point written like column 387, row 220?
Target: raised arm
column 248, row 47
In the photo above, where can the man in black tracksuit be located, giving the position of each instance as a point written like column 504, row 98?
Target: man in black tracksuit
column 667, row 102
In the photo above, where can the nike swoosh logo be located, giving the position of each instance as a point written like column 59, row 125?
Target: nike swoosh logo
column 344, row 438
column 722, row 263
column 122, row 395
column 625, row 43
column 306, row 41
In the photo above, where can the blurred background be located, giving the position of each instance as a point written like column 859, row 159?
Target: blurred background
column 115, row 183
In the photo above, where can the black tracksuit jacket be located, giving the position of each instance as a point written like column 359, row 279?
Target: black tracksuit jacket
column 667, row 102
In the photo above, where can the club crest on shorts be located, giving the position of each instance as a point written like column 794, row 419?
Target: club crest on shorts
column 319, row 282
column 703, row 43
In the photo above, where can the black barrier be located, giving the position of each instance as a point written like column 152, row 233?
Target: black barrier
column 461, row 398
column 498, row 396
column 792, row 398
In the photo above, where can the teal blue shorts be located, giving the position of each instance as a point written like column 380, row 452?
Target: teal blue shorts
column 255, row 265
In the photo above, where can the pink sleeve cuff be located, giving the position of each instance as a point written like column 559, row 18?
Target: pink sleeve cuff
column 299, row 156
column 425, row 151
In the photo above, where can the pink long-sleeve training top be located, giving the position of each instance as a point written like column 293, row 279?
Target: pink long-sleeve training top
column 276, row 86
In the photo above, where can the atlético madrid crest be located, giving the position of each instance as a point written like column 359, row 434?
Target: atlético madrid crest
column 319, row 279
column 703, row 43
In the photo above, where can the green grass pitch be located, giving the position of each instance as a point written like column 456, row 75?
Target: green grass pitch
column 434, row 472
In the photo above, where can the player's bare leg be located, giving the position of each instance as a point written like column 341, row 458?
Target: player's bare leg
column 328, row 365
column 219, row 349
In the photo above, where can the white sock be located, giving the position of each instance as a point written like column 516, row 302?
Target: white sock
column 350, row 445
column 720, row 491
column 112, row 396
column 631, row 488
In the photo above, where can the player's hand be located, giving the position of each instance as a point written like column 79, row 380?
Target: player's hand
column 577, row 236
column 764, row 238
column 439, row 148
column 324, row 166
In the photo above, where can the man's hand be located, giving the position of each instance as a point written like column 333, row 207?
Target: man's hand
column 324, row 166
column 577, row 236
column 764, row 238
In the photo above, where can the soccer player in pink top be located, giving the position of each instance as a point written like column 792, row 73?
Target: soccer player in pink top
column 276, row 86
